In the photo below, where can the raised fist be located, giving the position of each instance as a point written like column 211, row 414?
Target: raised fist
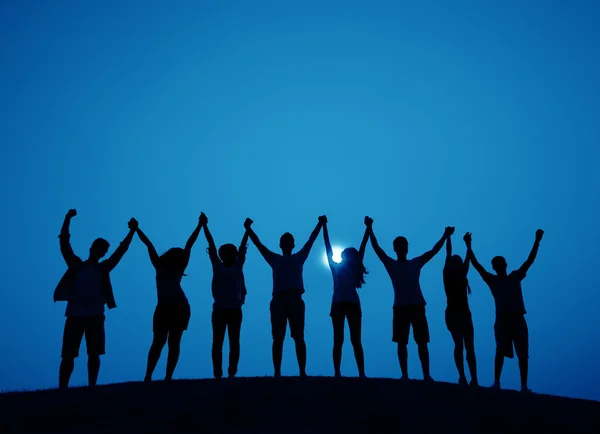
column 203, row 220
column 368, row 221
column 323, row 219
column 467, row 238
column 538, row 235
column 449, row 230
column 71, row 213
column 247, row 223
column 132, row 224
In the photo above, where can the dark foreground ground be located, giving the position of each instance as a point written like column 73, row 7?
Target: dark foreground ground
column 293, row 405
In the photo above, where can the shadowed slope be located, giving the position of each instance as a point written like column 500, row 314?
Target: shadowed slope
column 294, row 405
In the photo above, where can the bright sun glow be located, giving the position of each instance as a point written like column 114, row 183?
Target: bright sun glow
column 337, row 255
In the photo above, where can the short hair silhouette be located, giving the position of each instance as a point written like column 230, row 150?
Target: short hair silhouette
column 499, row 263
column 287, row 242
column 401, row 245
column 99, row 248
column 228, row 252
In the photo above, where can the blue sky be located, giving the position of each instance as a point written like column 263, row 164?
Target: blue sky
column 421, row 114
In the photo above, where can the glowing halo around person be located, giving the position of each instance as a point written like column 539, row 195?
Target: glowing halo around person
column 337, row 255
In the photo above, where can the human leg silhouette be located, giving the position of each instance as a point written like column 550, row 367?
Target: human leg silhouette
column 400, row 334
column 233, row 330
column 498, row 364
column 279, row 321
column 174, row 342
column 469, row 342
column 355, row 326
column 403, row 359
column 521, row 339
column 93, row 366
column 337, row 321
column 296, row 315
column 67, row 365
column 219, row 326
column 158, row 342
column 457, row 337
column 421, row 335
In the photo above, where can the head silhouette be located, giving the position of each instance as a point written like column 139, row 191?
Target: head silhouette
column 228, row 254
column 286, row 242
column 351, row 263
column 98, row 249
column 401, row 246
column 173, row 260
column 455, row 262
column 499, row 265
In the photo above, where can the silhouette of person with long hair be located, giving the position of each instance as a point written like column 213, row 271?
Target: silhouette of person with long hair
column 229, row 294
column 172, row 313
column 458, row 315
column 348, row 276
column 86, row 287
column 287, row 304
column 510, row 327
column 409, row 303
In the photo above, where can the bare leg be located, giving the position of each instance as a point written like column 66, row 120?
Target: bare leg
column 174, row 348
column 403, row 359
column 459, row 356
column 355, row 326
column 158, row 342
column 93, row 369
column 338, row 341
column 424, row 357
column 301, row 355
column 67, row 365
column 277, row 356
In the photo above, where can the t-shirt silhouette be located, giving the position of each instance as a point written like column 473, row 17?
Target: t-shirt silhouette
column 228, row 288
column 87, row 298
column 344, row 284
column 455, row 285
column 287, row 271
column 507, row 292
column 405, row 277
column 168, row 287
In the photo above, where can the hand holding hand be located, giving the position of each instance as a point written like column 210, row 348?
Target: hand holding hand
column 247, row 223
column 368, row 221
column 203, row 220
column 133, row 224
column 323, row 219
column 467, row 239
column 71, row 213
column 449, row 231
column 538, row 235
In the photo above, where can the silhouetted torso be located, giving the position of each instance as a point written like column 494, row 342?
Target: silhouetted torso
column 405, row 277
column 455, row 285
column 344, row 285
column 87, row 297
column 168, row 286
column 227, row 286
column 287, row 272
column 507, row 292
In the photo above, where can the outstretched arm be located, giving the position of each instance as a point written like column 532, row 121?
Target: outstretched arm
column 266, row 253
column 485, row 275
column 427, row 256
column 305, row 250
column 212, row 248
column 64, row 239
column 241, row 258
column 192, row 239
column 383, row 257
column 151, row 250
column 328, row 249
column 534, row 250
column 120, row 251
column 365, row 240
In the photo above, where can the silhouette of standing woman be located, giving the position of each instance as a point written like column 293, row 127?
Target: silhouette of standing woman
column 229, row 293
column 172, row 313
column 458, row 315
column 288, row 286
column 348, row 276
column 510, row 327
column 86, row 288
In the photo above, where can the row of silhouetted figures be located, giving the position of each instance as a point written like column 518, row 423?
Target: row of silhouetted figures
column 86, row 287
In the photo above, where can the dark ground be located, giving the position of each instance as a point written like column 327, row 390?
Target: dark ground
column 293, row 405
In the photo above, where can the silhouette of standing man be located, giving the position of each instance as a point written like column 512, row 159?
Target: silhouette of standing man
column 86, row 288
column 288, row 286
column 409, row 303
column 510, row 327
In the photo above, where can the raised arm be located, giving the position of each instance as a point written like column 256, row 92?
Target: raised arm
column 120, row 251
column 241, row 258
column 449, row 247
column 383, row 257
column 534, row 250
column 471, row 257
column 212, row 248
column 194, row 236
column 266, row 253
column 328, row 249
column 427, row 256
column 365, row 240
column 305, row 250
column 151, row 250
column 64, row 239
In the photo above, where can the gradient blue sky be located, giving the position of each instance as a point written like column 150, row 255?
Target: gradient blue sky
column 421, row 114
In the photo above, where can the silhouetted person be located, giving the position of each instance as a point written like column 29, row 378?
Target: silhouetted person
column 348, row 276
column 510, row 327
column 229, row 294
column 409, row 303
column 287, row 304
column 458, row 315
column 172, row 313
column 86, row 287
